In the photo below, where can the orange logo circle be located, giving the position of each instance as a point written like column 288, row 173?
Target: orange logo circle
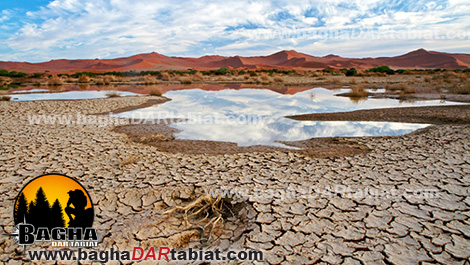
column 54, row 200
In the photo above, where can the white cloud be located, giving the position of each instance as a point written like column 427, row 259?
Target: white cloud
column 110, row 28
column 5, row 15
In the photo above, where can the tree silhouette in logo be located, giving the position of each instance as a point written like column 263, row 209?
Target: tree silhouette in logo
column 78, row 215
column 21, row 209
column 57, row 218
column 39, row 213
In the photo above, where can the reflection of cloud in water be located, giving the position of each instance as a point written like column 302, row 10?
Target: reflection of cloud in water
column 283, row 129
column 270, row 108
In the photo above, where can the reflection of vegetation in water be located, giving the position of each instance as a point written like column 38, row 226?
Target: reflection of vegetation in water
column 83, row 86
column 356, row 100
column 404, row 99
column 14, row 86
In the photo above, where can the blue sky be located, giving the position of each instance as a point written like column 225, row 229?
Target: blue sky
column 40, row 30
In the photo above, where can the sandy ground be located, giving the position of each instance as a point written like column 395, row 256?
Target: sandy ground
column 406, row 201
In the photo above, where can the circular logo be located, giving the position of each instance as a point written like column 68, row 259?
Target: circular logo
column 54, row 201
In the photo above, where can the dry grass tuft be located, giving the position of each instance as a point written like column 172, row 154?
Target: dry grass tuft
column 185, row 80
column 5, row 81
column 113, row 95
column 264, row 79
column 358, row 92
column 83, row 79
column 408, row 90
column 334, row 80
column 149, row 80
column 164, row 76
column 278, row 79
column 131, row 159
column 108, row 79
column 198, row 77
column 462, row 89
column 99, row 81
column 155, row 92
column 55, row 81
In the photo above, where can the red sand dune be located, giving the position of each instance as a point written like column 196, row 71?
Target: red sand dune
column 419, row 59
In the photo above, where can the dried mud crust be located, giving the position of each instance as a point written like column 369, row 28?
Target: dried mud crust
column 180, row 216
column 148, row 103
column 459, row 114
column 130, row 198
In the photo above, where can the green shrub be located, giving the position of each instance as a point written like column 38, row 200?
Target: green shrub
column 351, row 72
column 382, row 69
column 5, row 73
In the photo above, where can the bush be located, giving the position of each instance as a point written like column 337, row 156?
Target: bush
column 221, row 71
column 83, row 79
column 185, row 80
column 155, row 92
column 55, row 81
column 5, row 81
column 98, row 81
column 109, row 78
column 408, row 90
column 358, row 92
column 149, row 80
column 36, row 75
column 351, row 72
column 198, row 77
column 164, row 76
column 382, row 69
column 464, row 89
column 5, row 73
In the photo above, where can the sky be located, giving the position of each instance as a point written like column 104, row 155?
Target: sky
column 41, row 30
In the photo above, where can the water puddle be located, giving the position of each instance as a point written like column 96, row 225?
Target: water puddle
column 257, row 116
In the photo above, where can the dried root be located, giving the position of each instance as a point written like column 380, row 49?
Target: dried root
column 204, row 214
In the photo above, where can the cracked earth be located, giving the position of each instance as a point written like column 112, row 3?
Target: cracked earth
column 302, row 219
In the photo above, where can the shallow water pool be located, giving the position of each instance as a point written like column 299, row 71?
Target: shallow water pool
column 257, row 116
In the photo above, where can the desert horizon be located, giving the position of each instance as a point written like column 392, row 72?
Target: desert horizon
column 285, row 59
